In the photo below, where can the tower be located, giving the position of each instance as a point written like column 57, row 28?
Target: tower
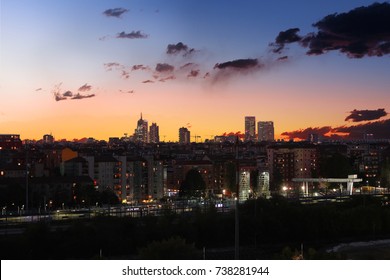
column 265, row 130
column 141, row 132
column 154, row 136
column 184, row 136
column 250, row 128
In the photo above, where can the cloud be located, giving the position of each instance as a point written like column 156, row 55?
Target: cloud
column 164, row 67
column 304, row 133
column 67, row 93
column 167, row 78
column 60, row 96
column 139, row 67
column 125, row 74
column 365, row 115
column 238, row 64
column 179, row 48
column 193, row 74
column 132, row 35
column 379, row 130
column 112, row 65
column 128, row 91
column 85, row 88
column 238, row 133
column 147, row 81
column 363, row 31
column 80, row 96
column 116, row 12
column 285, row 37
column 187, row 65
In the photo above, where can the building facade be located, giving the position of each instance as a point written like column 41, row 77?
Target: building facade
column 154, row 136
column 184, row 135
column 250, row 128
column 265, row 131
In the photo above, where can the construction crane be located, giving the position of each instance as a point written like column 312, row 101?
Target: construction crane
column 196, row 137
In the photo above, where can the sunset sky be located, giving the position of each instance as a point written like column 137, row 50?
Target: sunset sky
column 89, row 68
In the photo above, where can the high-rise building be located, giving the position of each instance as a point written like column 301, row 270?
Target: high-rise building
column 184, row 136
column 265, row 130
column 141, row 132
column 154, row 136
column 250, row 128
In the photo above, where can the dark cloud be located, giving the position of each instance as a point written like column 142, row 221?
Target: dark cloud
column 127, row 91
column 85, row 88
column 364, row 31
column 379, row 130
column 239, row 64
column 103, row 38
column 116, row 12
column 164, row 67
column 59, row 96
column 147, row 82
column 283, row 58
column 285, row 37
column 365, row 115
column 81, row 96
column 167, row 78
column 132, row 35
column 193, row 74
column 125, row 74
column 112, row 65
column 238, row 133
column 304, row 133
column 139, row 67
column 179, row 48
column 187, row 65
column 67, row 93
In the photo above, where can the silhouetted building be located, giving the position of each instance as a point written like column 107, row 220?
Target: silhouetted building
column 184, row 136
column 250, row 128
column 154, row 136
column 48, row 139
column 265, row 130
column 10, row 142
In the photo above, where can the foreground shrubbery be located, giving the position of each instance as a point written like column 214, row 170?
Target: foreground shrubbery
column 268, row 229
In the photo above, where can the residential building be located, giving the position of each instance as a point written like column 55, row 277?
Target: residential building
column 184, row 135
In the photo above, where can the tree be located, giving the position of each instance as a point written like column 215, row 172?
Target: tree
column 174, row 248
column 230, row 176
column 193, row 184
column 385, row 173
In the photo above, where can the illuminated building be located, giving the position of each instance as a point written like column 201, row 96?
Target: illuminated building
column 154, row 136
column 265, row 131
column 250, row 128
column 10, row 142
column 184, row 136
column 141, row 132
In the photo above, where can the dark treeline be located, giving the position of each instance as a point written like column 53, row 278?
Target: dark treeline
column 267, row 228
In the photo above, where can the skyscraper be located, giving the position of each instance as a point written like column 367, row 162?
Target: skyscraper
column 184, row 136
column 154, row 136
column 265, row 130
column 250, row 128
column 141, row 132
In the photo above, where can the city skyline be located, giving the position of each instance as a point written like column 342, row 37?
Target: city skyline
column 75, row 69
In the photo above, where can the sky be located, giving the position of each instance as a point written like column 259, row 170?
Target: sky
column 85, row 68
